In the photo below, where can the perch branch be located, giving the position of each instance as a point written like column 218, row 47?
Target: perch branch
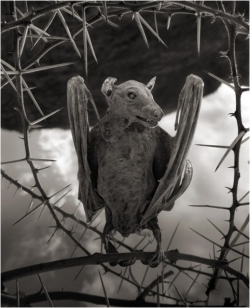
column 81, row 297
column 98, row 258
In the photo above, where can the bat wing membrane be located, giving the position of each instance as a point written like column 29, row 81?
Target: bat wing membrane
column 178, row 174
column 78, row 97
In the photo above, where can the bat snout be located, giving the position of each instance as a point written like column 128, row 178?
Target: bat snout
column 158, row 114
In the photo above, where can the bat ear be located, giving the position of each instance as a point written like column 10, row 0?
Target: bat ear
column 151, row 84
column 108, row 86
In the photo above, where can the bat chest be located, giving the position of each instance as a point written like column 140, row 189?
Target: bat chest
column 125, row 177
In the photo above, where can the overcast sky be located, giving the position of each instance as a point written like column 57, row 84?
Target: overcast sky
column 25, row 243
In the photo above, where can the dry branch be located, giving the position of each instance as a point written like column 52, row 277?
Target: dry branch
column 98, row 258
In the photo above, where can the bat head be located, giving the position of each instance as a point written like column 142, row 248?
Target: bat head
column 132, row 101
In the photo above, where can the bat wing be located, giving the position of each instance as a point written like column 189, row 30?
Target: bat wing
column 78, row 97
column 179, row 171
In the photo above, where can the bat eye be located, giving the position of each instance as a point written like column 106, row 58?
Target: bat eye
column 131, row 95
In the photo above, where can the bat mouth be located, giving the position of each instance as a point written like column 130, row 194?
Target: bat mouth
column 149, row 122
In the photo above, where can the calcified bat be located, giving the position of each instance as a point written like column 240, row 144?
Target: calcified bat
column 127, row 163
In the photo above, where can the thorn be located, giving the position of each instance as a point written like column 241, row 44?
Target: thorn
column 45, row 291
column 172, row 236
column 30, row 205
column 219, row 79
column 104, row 290
column 28, row 213
column 17, row 293
column 84, row 33
column 158, row 291
column 138, row 21
column 79, row 272
column 60, row 15
column 236, row 140
column 169, row 21
column 105, row 10
column 41, row 159
column 216, row 227
column 52, row 235
column 91, row 46
column 150, row 29
column 76, row 209
column 198, row 33
column 155, row 21
column 16, row 191
column 230, row 189
column 39, row 169
column 45, row 117
column 59, row 191
column 212, row 145
column 47, row 67
column 62, row 197
column 13, row 161
column 125, row 270
column 72, row 11
column 41, row 212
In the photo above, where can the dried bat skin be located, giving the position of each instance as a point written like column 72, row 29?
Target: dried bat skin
column 127, row 163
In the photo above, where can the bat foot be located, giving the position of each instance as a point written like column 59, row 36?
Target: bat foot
column 156, row 259
column 110, row 248
column 127, row 262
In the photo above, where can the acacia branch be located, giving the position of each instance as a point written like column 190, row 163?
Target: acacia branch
column 131, row 7
column 20, row 186
column 85, row 4
column 26, row 127
column 232, row 33
column 216, row 13
column 81, row 297
column 98, row 258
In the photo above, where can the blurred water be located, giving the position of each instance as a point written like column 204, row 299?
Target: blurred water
column 26, row 243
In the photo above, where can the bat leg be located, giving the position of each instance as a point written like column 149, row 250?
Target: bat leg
column 108, row 228
column 158, row 256
column 109, row 247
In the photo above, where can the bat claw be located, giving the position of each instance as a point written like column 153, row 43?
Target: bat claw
column 156, row 259
column 127, row 262
column 110, row 248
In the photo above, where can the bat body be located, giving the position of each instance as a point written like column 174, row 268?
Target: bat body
column 127, row 163
column 128, row 171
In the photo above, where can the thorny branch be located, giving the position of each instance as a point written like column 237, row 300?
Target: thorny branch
column 98, row 258
column 83, row 297
column 231, row 55
column 121, row 5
